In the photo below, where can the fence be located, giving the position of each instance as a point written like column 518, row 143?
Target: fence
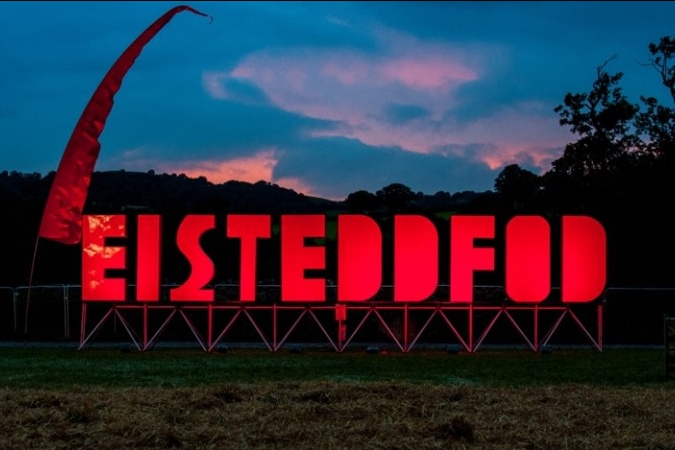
column 626, row 316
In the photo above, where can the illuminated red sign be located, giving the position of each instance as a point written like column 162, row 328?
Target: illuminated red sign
column 359, row 257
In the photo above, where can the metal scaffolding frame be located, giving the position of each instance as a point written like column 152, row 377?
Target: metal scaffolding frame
column 276, row 324
column 272, row 324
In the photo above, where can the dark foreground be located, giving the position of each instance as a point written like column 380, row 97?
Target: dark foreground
column 339, row 415
column 186, row 399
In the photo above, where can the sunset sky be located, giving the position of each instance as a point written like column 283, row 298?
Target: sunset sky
column 324, row 98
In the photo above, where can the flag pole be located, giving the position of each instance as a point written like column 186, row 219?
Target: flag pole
column 30, row 285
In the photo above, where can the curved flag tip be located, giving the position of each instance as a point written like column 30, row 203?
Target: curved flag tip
column 62, row 217
column 199, row 13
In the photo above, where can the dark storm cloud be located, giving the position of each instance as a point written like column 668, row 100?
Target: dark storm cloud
column 401, row 114
column 242, row 91
column 339, row 166
column 229, row 130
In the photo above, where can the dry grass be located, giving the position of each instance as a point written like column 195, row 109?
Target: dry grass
column 332, row 415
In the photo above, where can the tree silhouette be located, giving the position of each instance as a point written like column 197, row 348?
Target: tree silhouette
column 657, row 122
column 602, row 118
column 362, row 201
column 395, row 196
column 517, row 186
column 662, row 54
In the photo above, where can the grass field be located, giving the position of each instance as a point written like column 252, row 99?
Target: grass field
column 578, row 399
column 32, row 367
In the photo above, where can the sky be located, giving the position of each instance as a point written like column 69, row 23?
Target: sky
column 326, row 98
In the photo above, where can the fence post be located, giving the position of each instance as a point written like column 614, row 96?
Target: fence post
column 66, row 312
column 15, row 300
column 669, row 344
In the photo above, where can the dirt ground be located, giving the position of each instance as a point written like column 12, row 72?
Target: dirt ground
column 333, row 415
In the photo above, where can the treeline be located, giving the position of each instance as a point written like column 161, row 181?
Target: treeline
column 23, row 197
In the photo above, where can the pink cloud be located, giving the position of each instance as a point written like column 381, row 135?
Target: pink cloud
column 505, row 155
column 348, row 73
column 428, row 73
column 300, row 186
column 522, row 134
column 351, row 86
column 213, row 84
column 248, row 168
column 355, row 91
column 253, row 168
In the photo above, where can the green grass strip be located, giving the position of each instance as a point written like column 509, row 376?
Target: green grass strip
column 30, row 367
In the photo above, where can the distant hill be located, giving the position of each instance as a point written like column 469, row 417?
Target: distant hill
column 23, row 197
column 122, row 190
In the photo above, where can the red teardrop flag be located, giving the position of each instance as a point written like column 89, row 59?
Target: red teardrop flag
column 62, row 217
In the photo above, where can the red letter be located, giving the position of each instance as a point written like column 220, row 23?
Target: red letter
column 189, row 232
column 296, row 258
column 148, row 259
column 464, row 257
column 249, row 229
column 584, row 246
column 359, row 253
column 97, row 258
column 415, row 258
column 528, row 259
